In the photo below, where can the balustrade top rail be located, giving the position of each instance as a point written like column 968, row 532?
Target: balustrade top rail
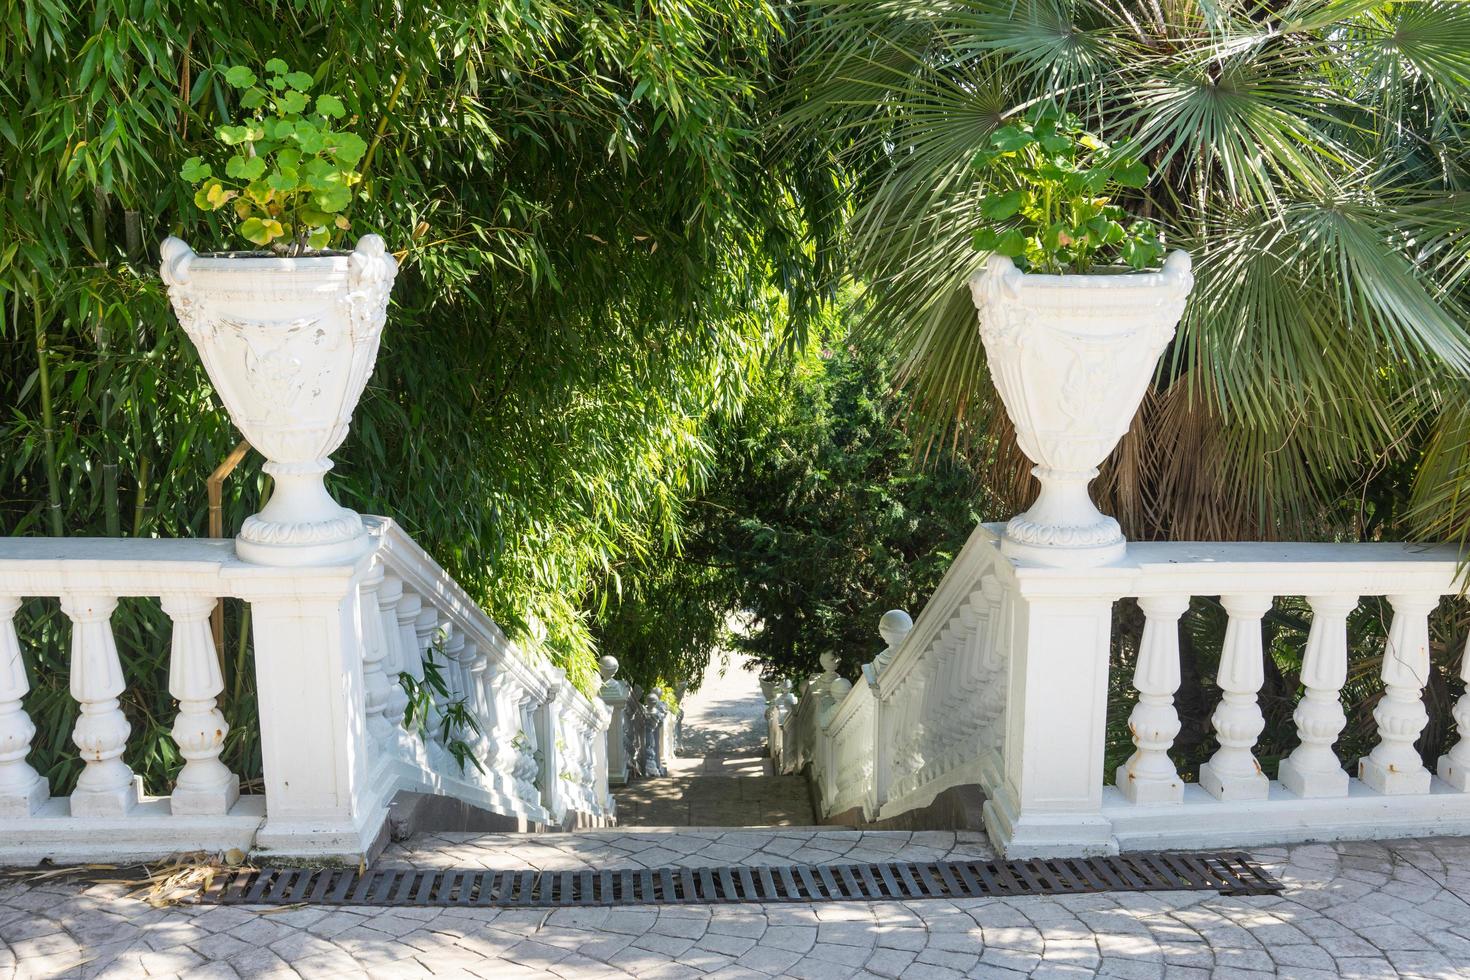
column 1284, row 568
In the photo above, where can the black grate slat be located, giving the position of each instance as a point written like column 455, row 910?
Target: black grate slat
column 1228, row 873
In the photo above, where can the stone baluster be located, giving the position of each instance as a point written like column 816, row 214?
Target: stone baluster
column 1394, row 766
column 106, row 787
column 493, row 675
column 527, row 765
column 205, row 785
column 964, row 720
column 376, row 689
column 1313, row 769
column 22, row 790
column 411, row 650
column 472, row 668
column 454, row 675
column 426, row 634
column 977, row 619
column 995, row 678
column 951, row 641
column 411, row 654
column 1454, row 765
column 1233, row 772
column 1149, row 775
column 390, row 594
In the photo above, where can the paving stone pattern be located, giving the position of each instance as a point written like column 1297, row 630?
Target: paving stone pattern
column 727, row 714
column 613, row 849
column 1350, row 910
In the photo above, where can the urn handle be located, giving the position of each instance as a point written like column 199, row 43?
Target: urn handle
column 177, row 257
column 1179, row 272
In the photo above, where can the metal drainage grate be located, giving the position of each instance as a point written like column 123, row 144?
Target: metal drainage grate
column 1230, row 874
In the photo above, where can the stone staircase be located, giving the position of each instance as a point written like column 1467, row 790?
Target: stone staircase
column 738, row 789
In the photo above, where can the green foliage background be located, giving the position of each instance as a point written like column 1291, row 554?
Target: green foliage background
column 596, row 254
column 816, row 519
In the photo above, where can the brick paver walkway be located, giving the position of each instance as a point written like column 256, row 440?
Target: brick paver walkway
column 1350, row 910
column 692, row 848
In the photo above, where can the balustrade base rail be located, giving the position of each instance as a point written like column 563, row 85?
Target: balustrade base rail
column 51, row 833
column 1230, row 874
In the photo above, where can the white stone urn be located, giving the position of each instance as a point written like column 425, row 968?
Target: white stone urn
column 289, row 344
column 1072, row 357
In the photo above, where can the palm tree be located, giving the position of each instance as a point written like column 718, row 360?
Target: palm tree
column 1313, row 158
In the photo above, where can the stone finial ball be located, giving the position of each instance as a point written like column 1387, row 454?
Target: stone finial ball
column 608, row 667
column 894, row 626
column 828, row 661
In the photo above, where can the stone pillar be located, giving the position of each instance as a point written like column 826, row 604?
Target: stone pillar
column 313, row 720
column 894, row 627
column 1050, row 802
column 614, row 694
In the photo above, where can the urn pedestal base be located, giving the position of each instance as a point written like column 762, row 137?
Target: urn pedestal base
column 1063, row 528
column 302, row 524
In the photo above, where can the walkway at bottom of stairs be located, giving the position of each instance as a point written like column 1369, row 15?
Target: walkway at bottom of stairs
column 1394, row 909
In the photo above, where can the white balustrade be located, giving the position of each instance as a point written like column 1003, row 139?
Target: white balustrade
column 330, row 642
column 1002, row 683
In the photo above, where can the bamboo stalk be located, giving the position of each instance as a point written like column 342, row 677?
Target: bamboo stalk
column 48, row 420
column 215, row 485
column 140, row 499
column 111, row 509
column 241, row 646
column 382, row 127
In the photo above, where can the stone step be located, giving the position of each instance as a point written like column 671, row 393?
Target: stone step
column 717, row 790
column 689, row 847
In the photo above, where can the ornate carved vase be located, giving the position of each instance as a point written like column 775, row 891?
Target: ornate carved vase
column 289, row 344
column 1071, row 357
